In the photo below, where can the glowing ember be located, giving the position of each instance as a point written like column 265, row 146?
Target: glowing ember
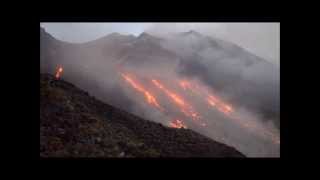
column 59, row 72
column 148, row 96
column 177, row 124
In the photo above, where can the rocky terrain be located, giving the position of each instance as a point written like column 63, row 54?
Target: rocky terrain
column 75, row 124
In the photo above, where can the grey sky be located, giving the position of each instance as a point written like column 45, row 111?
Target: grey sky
column 262, row 39
column 83, row 32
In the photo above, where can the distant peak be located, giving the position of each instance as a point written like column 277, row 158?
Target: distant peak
column 115, row 34
column 191, row 32
column 43, row 30
column 144, row 34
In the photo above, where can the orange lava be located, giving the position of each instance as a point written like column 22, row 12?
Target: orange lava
column 177, row 124
column 148, row 96
column 219, row 104
column 185, row 84
column 227, row 109
column 185, row 107
column 211, row 99
column 59, row 72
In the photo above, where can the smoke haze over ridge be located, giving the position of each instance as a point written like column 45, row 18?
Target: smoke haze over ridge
column 262, row 39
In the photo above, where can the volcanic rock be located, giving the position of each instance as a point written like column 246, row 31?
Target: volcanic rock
column 86, row 131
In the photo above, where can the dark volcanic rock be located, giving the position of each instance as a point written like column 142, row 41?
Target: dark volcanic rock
column 74, row 124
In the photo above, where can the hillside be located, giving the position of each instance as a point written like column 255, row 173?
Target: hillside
column 75, row 124
column 222, row 65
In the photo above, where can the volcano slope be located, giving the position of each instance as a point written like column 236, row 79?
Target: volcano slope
column 75, row 124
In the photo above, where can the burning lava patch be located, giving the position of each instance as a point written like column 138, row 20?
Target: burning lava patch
column 177, row 124
column 59, row 72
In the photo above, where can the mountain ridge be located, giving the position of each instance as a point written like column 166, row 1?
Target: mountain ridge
column 157, row 38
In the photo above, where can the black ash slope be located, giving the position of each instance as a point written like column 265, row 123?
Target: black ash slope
column 75, row 124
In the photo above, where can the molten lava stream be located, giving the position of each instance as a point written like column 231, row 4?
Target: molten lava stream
column 150, row 98
column 184, row 107
column 225, row 108
column 207, row 96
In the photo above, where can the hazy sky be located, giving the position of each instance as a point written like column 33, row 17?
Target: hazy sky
column 262, row 39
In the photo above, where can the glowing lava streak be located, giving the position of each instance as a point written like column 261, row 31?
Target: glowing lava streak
column 212, row 100
column 227, row 109
column 59, row 72
column 148, row 96
column 186, row 85
column 251, row 125
column 220, row 105
column 177, row 124
column 185, row 108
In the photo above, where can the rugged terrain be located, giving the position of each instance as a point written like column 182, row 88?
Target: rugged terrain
column 249, row 81
column 75, row 124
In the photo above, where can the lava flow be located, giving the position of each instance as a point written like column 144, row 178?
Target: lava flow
column 59, row 72
column 226, row 109
column 220, row 105
column 185, row 107
column 211, row 99
column 148, row 96
column 177, row 124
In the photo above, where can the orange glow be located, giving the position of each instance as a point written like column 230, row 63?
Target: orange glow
column 204, row 92
column 59, row 72
column 148, row 96
column 206, row 95
column 228, row 108
column 177, row 124
column 174, row 96
column 185, row 107
column 185, row 84
column 215, row 102
column 211, row 102
column 219, row 104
